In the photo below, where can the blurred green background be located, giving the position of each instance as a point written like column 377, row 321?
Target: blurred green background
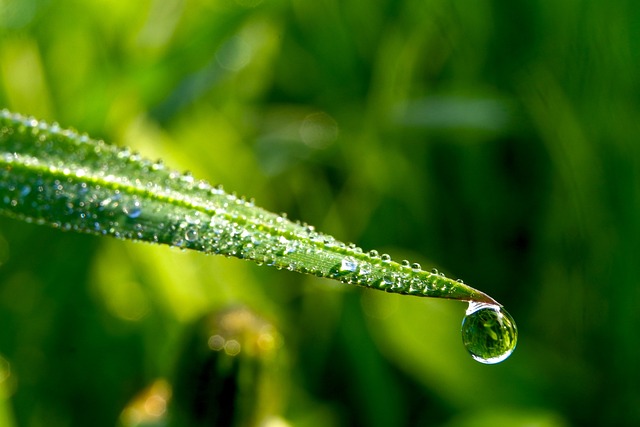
column 496, row 141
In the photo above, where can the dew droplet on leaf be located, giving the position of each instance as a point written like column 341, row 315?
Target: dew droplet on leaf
column 348, row 265
column 489, row 333
column 191, row 235
column 133, row 211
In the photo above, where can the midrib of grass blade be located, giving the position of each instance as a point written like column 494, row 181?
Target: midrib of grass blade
column 61, row 178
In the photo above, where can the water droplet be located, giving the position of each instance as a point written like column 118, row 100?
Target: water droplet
column 111, row 201
column 385, row 257
column 193, row 219
column 158, row 165
column 187, row 178
column 365, row 269
column 133, row 211
column 191, row 235
column 386, row 281
column 416, row 285
column 489, row 333
column 348, row 265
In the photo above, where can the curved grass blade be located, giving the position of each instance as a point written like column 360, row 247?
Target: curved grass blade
column 67, row 180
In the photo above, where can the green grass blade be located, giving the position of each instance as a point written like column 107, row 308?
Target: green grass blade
column 67, row 180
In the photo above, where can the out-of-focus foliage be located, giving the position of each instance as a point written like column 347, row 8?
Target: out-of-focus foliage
column 496, row 141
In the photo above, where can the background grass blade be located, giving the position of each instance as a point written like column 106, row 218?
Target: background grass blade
column 58, row 177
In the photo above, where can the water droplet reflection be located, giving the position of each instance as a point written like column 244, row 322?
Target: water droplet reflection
column 489, row 333
column 191, row 235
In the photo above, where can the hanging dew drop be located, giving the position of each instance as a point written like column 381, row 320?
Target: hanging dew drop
column 489, row 333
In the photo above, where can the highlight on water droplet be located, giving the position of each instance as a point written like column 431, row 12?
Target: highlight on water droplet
column 488, row 332
column 348, row 265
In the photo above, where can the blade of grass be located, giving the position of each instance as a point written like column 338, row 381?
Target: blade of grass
column 58, row 177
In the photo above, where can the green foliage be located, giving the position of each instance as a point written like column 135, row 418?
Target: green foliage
column 493, row 140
